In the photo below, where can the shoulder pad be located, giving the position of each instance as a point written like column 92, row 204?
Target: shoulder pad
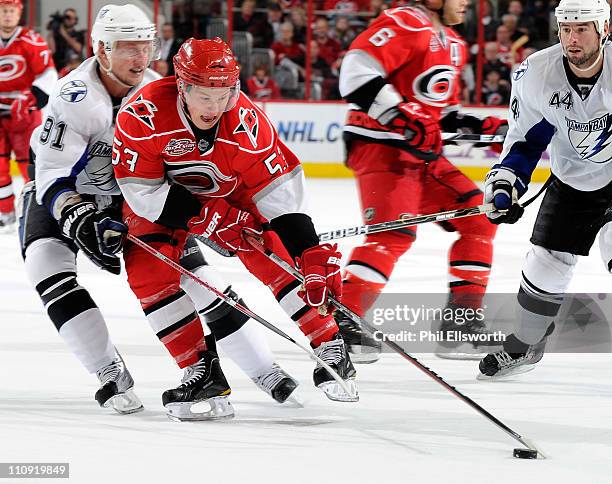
column 408, row 18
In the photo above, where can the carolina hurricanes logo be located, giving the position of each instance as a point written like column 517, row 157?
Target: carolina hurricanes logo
column 435, row 86
column 592, row 140
column 201, row 177
column 179, row 147
column 11, row 67
column 249, row 124
column 143, row 110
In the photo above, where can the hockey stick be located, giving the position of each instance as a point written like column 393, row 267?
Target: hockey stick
column 472, row 138
column 405, row 222
column 257, row 245
column 235, row 304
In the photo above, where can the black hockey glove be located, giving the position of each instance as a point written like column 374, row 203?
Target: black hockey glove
column 95, row 233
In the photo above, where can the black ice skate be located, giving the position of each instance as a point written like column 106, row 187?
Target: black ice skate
column 279, row 385
column 117, row 388
column 516, row 358
column 362, row 347
column 335, row 354
column 470, row 340
column 7, row 222
column 205, row 383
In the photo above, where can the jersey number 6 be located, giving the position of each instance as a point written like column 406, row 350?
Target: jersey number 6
column 132, row 156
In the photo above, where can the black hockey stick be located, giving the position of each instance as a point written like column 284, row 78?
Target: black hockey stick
column 472, row 138
column 405, row 222
column 235, row 304
column 256, row 243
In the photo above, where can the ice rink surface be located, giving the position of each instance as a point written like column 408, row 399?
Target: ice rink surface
column 406, row 429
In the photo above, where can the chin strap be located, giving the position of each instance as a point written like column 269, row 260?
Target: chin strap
column 109, row 72
column 599, row 56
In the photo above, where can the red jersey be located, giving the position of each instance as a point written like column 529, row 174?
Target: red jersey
column 402, row 47
column 268, row 89
column 244, row 161
column 24, row 59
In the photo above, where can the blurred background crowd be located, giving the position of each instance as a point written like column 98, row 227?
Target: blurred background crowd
column 271, row 40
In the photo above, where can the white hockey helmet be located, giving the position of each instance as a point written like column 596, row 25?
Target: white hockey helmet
column 597, row 11
column 121, row 22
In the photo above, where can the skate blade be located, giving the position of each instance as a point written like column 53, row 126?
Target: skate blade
column 125, row 403
column 335, row 392
column 295, row 400
column 217, row 408
column 507, row 374
column 361, row 357
column 461, row 356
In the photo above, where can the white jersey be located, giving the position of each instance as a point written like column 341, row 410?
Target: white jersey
column 73, row 146
column 545, row 109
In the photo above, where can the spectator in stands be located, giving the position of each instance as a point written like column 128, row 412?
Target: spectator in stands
column 525, row 23
column 511, row 23
column 343, row 32
column 64, row 40
column 298, row 19
column 73, row 63
column 490, row 23
column 169, row 46
column 346, row 7
column 376, row 7
column 492, row 62
column 162, row 67
column 287, row 47
column 250, row 21
column 495, row 91
column 505, row 47
column 275, row 19
column 328, row 48
column 260, row 86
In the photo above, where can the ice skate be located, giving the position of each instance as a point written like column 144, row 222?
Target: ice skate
column 7, row 222
column 470, row 340
column 117, row 388
column 509, row 362
column 279, row 385
column 335, row 354
column 203, row 386
column 362, row 347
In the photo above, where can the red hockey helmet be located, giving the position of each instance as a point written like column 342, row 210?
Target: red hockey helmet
column 14, row 3
column 206, row 63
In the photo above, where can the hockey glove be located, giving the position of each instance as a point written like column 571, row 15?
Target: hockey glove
column 223, row 224
column 421, row 131
column 95, row 233
column 21, row 108
column 494, row 126
column 503, row 189
column 320, row 266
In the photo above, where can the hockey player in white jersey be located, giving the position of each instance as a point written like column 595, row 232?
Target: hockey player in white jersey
column 79, row 208
column 562, row 97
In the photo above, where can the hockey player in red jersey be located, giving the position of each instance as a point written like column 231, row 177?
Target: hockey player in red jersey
column 28, row 76
column 194, row 154
column 401, row 76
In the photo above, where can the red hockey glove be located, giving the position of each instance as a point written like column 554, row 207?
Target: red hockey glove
column 223, row 225
column 320, row 266
column 493, row 125
column 21, row 107
column 419, row 128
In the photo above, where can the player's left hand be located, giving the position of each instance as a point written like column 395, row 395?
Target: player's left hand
column 495, row 126
column 503, row 188
column 320, row 266
column 22, row 106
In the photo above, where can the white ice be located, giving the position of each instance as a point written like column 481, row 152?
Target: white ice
column 405, row 428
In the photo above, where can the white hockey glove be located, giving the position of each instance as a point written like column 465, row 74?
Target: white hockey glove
column 503, row 189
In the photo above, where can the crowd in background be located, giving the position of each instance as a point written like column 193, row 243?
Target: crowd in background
column 513, row 30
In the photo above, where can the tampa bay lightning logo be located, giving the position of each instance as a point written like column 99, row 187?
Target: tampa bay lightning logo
column 592, row 140
column 521, row 70
column 73, row 91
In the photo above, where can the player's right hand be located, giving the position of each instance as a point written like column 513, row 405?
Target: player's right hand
column 422, row 132
column 223, row 224
column 503, row 188
column 95, row 233
column 21, row 107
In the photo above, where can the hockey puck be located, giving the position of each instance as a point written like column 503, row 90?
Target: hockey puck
column 525, row 453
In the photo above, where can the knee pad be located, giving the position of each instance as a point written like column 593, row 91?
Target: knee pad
column 605, row 245
column 51, row 267
column 548, row 271
column 375, row 259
